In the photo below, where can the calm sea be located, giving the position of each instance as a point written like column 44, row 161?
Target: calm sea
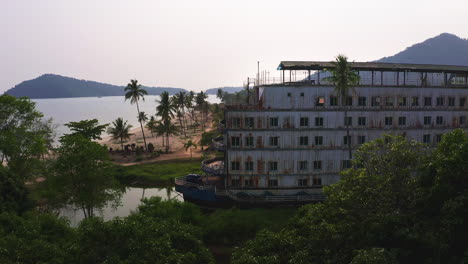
column 105, row 109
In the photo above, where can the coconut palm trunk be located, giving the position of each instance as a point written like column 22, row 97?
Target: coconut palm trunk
column 141, row 125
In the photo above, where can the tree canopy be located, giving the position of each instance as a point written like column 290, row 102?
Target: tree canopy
column 87, row 128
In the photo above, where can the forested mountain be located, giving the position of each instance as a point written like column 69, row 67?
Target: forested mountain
column 56, row 86
column 445, row 49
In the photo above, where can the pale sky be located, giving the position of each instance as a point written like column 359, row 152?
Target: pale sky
column 199, row 44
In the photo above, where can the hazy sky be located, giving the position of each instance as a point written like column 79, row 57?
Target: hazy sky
column 199, row 44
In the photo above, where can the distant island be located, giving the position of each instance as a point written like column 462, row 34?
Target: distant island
column 56, row 86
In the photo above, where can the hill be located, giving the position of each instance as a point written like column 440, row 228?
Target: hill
column 56, row 86
column 445, row 49
column 226, row 89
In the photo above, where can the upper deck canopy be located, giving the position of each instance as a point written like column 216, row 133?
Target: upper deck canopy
column 372, row 66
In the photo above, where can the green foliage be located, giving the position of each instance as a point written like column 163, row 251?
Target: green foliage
column 13, row 193
column 35, row 238
column 235, row 226
column 82, row 175
column 150, row 147
column 24, row 136
column 207, row 137
column 162, row 172
column 402, row 204
column 89, row 129
column 120, row 130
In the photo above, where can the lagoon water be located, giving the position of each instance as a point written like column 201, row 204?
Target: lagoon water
column 106, row 110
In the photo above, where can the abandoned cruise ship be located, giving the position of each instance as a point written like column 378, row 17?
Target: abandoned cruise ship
column 290, row 139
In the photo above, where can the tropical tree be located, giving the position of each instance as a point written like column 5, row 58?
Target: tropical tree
column 189, row 145
column 160, row 131
column 151, row 125
column 189, row 99
column 220, row 94
column 120, row 130
column 82, row 176
column 88, row 128
column 344, row 79
column 134, row 93
column 169, row 129
column 142, row 117
column 179, row 104
column 165, row 108
column 201, row 103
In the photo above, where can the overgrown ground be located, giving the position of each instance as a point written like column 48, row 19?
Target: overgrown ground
column 161, row 173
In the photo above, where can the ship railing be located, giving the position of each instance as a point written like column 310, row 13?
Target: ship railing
column 212, row 169
column 181, row 181
column 218, row 143
column 273, row 198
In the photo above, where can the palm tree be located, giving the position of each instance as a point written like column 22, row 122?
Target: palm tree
column 189, row 145
column 220, row 94
column 151, row 125
column 120, row 130
column 189, row 104
column 179, row 103
column 134, row 92
column 142, row 117
column 201, row 105
column 165, row 108
column 169, row 129
column 159, row 129
column 344, row 79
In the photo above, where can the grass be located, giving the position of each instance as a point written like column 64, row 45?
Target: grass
column 160, row 173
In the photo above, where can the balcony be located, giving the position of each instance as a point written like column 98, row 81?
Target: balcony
column 218, row 143
column 214, row 166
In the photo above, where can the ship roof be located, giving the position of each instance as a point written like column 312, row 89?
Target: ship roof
column 372, row 66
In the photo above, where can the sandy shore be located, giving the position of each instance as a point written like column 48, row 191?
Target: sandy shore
column 176, row 144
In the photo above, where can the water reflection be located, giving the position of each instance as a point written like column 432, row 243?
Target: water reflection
column 130, row 201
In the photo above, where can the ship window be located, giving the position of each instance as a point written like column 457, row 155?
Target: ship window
column 302, row 94
column 402, row 101
column 426, row 138
column 273, row 165
column 320, row 101
column 302, row 182
column 317, row 165
column 273, row 141
column 438, row 138
column 235, row 141
column 451, row 101
column 427, row 101
column 361, row 139
column 273, row 121
column 349, row 101
column 304, row 141
column 236, row 122
column 319, row 121
column 317, row 181
column 389, row 101
column 249, row 122
column 289, row 94
column 439, row 120
column 249, row 141
column 235, row 182
column 375, row 101
column 304, row 122
column 249, row 165
column 462, row 120
column 346, row 164
column 346, row 140
column 362, row 101
column 303, row 165
column 362, row 121
column 348, row 121
column 440, row 101
column 388, row 121
column 235, row 165
column 318, row 140
column 462, row 101
column 414, row 101
column 427, row 120
column 402, row 121
column 333, row 101
column 273, row 183
column 248, row 182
